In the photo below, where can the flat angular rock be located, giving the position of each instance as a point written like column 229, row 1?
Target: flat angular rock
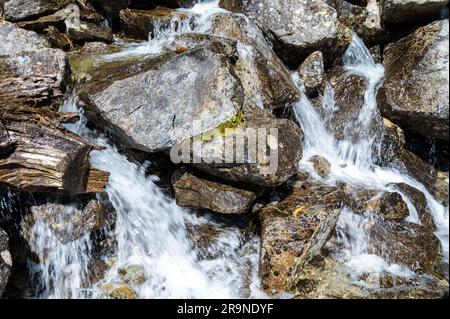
column 192, row 191
column 17, row 10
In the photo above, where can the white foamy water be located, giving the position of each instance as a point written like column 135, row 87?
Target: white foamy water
column 352, row 161
column 151, row 229
column 193, row 20
column 151, row 233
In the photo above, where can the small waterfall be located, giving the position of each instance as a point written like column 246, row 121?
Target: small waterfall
column 151, row 233
column 352, row 160
column 62, row 271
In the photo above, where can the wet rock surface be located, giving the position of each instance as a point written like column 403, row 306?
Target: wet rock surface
column 272, row 164
column 312, row 72
column 415, row 92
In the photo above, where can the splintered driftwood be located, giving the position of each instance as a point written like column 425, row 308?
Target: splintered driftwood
column 37, row 154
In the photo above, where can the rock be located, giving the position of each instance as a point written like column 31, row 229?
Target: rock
column 88, row 26
column 442, row 187
column 271, row 163
column 139, row 102
column 257, row 61
column 141, row 24
column 408, row 244
column 274, row 89
column 198, row 193
column 57, row 39
column 414, row 166
column 326, row 278
column 42, row 156
column 420, row 203
column 365, row 21
column 204, row 239
column 110, row 8
column 69, row 221
column 294, row 231
column 312, row 72
column 118, row 291
column 297, row 27
column 411, row 11
column 18, row 10
column 321, row 166
column 415, row 91
column 5, row 261
column 97, row 270
column 55, row 20
column 133, row 275
column 15, row 40
column 94, row 47
column 30, row 70
column 34, row 75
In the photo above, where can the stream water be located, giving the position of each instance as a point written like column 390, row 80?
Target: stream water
column 151, row 230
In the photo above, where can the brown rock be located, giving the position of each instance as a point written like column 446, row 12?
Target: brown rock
column 195, row 192
column 294, row 231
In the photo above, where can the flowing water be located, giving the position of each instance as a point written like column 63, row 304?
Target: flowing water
column 353, row 162
column 152, row 232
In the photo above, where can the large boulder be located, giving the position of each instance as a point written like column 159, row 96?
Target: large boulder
column 195, row 192
column 30, row 70
column 294, row 231
column 17, row 10
column 411, row 11
column 264, row 77
column 254, row 148
column 415, row 92
column 412, row 245
column 154, row 104
column 297, row 27
column 5, row 261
